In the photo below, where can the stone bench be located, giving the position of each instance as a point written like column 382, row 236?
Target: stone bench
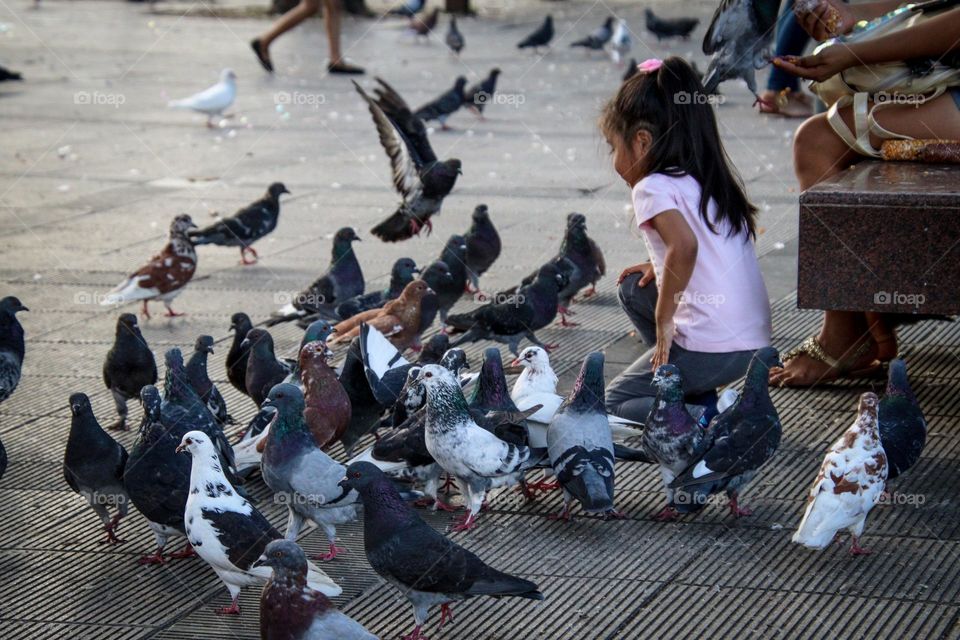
column 882, row 236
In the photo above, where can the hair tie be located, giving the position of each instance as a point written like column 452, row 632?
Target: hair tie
column 650, row 65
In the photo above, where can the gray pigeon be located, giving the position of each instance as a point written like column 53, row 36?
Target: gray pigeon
column 454, row 38
column 200, row 381
column 93, row 464
column 264, row 370
column 739, row 38
column 581, row 444
column 12, row 347
column 240, row 324
column 669, row 27
column 540, row 37
column 477, row 97
column 291, row 610
column 444, row 105
column 300, row 474
column 671, row 436
column 425, row 565
column 903, row 429
column 128, row 367
column 246, row 226
column 454, row 255
column 742, row 438
column 599, row 38
column 226, row 530
column 483, row 246
column 478, row 459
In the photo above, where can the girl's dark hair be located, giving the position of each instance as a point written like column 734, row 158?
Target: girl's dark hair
column 672, row 106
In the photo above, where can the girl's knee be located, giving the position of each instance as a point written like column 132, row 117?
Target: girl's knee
column 629, row 293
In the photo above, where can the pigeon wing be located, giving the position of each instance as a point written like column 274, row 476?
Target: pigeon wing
column 406, row 177
column 244, row 536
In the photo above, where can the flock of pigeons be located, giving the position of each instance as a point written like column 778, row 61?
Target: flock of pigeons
column 432, row 417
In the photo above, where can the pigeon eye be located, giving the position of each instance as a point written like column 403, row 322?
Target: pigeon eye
column 428, row 375
column 356, row 474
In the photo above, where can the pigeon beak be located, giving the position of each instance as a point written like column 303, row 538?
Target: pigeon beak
column 429, row 290
column 260, row 562
column 245, row 343
column 516, row 363
column 285, row 190
column 22, row 308
column 193, row 226
column 181, row 448
column 416, row 270
column 344, row 483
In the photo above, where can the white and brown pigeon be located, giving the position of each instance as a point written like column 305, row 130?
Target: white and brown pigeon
column 165, row 275
column 849, row 484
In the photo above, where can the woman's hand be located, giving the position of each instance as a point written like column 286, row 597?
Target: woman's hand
column 661, row 352
column 645, row 268
column 828, row 19
column 829, row 62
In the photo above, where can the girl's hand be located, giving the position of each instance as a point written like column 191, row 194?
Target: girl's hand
column 661, row 353
column 828, row 19
column 821, row 66
column 645, row 268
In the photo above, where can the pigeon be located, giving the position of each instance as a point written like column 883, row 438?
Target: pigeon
column 580, row 444
column 445, row 105
column 342, row 280
column 849, row 484
column 200, row 381
column 93, row 464
column 540, row 37
column 491, row 405
column 421, row 27
column 3, row 460
column 483, row 246
column 903, row 429
column 327, row 411
column 385, row 367
column 128, row 367
column 316, row 331
column 599, row 38
column 12, row 347
column 213, row 101
column 246, row 226
column 621, row 42
column 739, row 38
column 672, row 436
column 669, row 27
column 425, row 565
column 398, row 320
column 292, row 610
column 401, row 274
column 227, row 531
column 301, row 475
column 438, row 276
column 7, row 75
column 419, row 177
column 156, row 478
column 581, row 260
column 164, row 276
column 741, row 439
column 264, row 370
column 454, row 38
column 517, row 316
column 241, row 325
column 454, row 255
column 408, row 9
column 477, row 97
column 478, row 459
column 248, row 452
column 365, row 410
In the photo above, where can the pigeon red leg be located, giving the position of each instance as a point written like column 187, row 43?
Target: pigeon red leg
column 439, row 504
column 464, row 524
column 550, row 348
column 564, row 514
column 613, row 514
column 171, row 313
column 243, row 255
column 111, row 530
column 330, row 555
column 415, row 634
column 232, row 610
column 669, row 514
column 187, row 552
column 429, row 226
column 564, row 312
column 736, row 510
column 414, row 226
column 592, row 292
column 856, row 549
column 155, row 558
column 144, row 310
column 445, row 614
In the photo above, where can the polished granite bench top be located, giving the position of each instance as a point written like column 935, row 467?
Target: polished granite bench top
column 889, row 183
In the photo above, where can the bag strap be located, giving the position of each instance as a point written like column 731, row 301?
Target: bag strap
column 865, row 122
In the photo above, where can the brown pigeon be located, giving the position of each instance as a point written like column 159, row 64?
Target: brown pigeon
column 165, row 275
column 398, row 320
column 327, row 406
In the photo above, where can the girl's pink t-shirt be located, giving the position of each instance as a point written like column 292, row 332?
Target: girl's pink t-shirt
column 725, row 306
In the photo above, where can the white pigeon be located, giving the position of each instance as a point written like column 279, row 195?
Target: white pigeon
column 849, row 484
column 226, row 530
column 620, row 43
column 537, row 384
column 212, row 101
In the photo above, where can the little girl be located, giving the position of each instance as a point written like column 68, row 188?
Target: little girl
column 700, row 303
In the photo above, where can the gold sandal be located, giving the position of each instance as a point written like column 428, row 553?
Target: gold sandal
column 812, row 348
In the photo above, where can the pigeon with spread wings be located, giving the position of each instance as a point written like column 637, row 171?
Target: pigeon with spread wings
column 421, row 180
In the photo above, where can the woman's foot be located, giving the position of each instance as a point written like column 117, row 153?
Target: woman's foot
column 262, row 55
column 786, row 103
column 810, row 363
column 344, row 67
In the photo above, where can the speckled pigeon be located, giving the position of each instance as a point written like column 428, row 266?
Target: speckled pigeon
column 581, row 444
column 540, row 37
column 342, row 280
column 425, row 565
column 741, row 440
column 478, row 96
column 241, row 325
column 599, row 38
column 301, row 474
column 419, row 177
column 478, row 459
column 246, row 226
column 292, row 610
column 200, row 381
column 483, row 246
column 227, row 531
column 12, row 346
column 739, row 38
column 128, row 367
column 264, row 370
column 849, row 484
column 903, row 429
column 93, row 464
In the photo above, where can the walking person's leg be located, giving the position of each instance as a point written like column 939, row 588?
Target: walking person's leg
column 331, row 15
column 261, row 45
